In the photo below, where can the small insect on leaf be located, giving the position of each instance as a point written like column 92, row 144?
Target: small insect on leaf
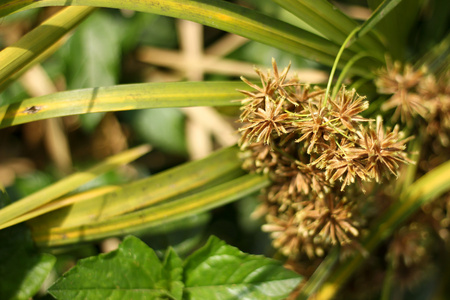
column 32, row 109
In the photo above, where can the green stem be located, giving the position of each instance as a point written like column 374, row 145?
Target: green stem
column 336, row 61
column 345, row 71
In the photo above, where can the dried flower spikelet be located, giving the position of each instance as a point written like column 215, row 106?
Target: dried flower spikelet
column 436, row 92
column 308, row 147
column 418, row 92
column 329, row 219
column 347, row 106
column 286, row 237
column 402, row 82
column 383, row 150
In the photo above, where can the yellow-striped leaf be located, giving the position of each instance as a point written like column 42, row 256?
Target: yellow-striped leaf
column 67, row 184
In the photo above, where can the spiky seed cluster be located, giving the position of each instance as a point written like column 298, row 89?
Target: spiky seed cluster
column 312, row 149
column 417, row 92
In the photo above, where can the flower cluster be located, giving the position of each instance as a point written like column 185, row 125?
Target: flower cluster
column 417, row 93
column 314, row 147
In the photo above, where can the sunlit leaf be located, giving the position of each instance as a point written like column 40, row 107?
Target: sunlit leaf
column 154, row 218
column 218, row 14
column 37, row 41
column 216, row 271
column 109, row 201
column 67, row 184
column 331, row 23
column 121, row 97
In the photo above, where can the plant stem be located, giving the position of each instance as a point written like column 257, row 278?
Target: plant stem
column 336, row 61
column 345, row 71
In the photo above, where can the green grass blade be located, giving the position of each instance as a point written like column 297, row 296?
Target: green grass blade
column 218, row 14
column 120, row 98
column 427, row 188
column 156, row 216
column 40, row 58
column 395, row 27
column 331, row 23
column 106, row 202
column 382, row 10
column 37, row 41
column 68, row 184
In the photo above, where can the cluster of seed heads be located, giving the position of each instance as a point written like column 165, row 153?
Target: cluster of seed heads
column 319, row 153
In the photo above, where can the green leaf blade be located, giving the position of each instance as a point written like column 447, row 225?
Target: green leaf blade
column 67, row 184
column 173, row 273
column 224, row 16
column 154, row 218
column 120, row 98
column 36, row 42
column 382, row 10
column 240, row 275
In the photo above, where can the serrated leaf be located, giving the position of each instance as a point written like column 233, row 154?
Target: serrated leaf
column 220, row 271
column 173, row 273
column 133, row 271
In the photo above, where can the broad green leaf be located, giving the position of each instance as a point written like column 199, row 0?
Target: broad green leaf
column 428, row 187
column 67, row 184
column 121, row 97
column 220, row 271
column 133, row 271
column 22, row 268
column 37, row 41
column 172, row 272
column 218, row 14
column 154, row 218
column 105, row 202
